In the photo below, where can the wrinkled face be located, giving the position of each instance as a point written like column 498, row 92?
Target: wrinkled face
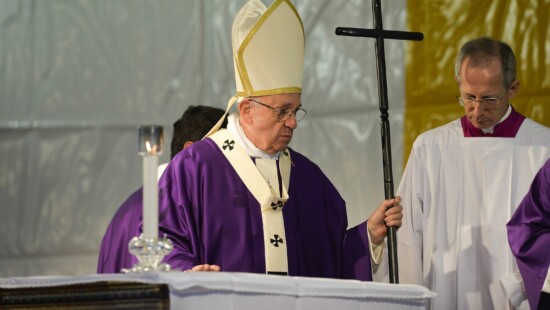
column 260, row 123
column 480, row 82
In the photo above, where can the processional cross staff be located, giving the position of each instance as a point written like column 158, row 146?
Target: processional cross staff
column 380, row 34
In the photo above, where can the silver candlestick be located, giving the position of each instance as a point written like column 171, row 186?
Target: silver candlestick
column 148, row 247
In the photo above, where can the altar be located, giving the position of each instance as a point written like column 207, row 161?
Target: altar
column 201, row 290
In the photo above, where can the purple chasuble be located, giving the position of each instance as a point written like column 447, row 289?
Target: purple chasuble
column 212, row 218
column 113, row 253
column 506, row 129
column 529, row 235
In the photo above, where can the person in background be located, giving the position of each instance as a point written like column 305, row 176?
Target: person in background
column 529, row 238
column 114, row 256
column 192, row 126
column 462, row 183
column 242, row 200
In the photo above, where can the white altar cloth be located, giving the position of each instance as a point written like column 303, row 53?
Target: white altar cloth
column 226, row 290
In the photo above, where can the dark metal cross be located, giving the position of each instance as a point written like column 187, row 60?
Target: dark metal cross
column 380, row 34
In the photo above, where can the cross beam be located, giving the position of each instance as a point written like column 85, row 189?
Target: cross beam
column 380, row 34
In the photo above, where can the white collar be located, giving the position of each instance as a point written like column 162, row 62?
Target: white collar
column 234, row 127
column 491, row 129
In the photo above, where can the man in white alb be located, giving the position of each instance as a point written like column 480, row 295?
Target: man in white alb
column 463, row 182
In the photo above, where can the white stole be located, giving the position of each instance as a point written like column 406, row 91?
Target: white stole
column 546, row 284
column 263, row 182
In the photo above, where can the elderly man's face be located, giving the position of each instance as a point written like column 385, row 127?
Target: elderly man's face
column 481, row 81
column 261, row 124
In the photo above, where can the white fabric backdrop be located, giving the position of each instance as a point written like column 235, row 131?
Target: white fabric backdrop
column 78, row 77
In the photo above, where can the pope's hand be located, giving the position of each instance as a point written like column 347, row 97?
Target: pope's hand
column 205, row 267
column 388, row 213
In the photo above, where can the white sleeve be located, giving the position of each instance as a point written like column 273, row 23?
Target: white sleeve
column 514, row 290
column 376, row 250
column 410, row 235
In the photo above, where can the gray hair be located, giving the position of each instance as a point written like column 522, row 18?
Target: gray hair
column 483, row 50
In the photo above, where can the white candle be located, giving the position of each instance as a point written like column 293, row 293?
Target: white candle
column 150, row 140
column 150, row 197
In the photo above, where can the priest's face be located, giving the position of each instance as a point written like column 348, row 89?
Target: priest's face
column 483, row 94
column 269, row 121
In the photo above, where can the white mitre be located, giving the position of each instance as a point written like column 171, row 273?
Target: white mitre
column 268, row 51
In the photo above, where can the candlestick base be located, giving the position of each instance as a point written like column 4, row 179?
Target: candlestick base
column 149, row 252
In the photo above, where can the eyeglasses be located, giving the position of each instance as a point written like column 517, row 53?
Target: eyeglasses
column 489, row 101
column 282, row 114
